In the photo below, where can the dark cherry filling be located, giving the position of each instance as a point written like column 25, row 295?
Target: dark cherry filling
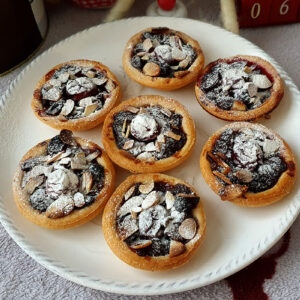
column 159, row 52
column 40, row 198
column 163, row 124
column 65, row 87
column 258, row 170
column 234, row 85
column 160, row 245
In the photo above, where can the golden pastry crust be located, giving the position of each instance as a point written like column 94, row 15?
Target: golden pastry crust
column 83, row 123
column 76, row 217
column 261, row 111
column 127, row 161
column 250, row 199
column 122, row 250
column 183, row 77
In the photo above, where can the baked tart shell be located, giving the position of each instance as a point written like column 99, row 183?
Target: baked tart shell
column 277, row 92
column 134, row 165
column 83, row 123
column 76, row 217
column 163, row 83
column 250, row 199
column 120, row 248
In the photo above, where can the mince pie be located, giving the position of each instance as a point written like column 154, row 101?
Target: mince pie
column 148, row 134
column 63, row 182
column 248, row 164
column 76, row 95
column 239, row 88
column 154, row 222
column 163, row 58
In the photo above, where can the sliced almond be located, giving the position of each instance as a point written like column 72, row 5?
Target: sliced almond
column 220, row 162
column 99, row 81
column 157, row 146
column 134, row 212
column 173, row 135
column 151, row 69
column 145, row 156
column 132, row 109
column 90, row 74
column 128, row 144
column 166, row 112
column 67, row 108
column 261, row 81
column 90, row 109
column 87, row 182
column 147, row 44
column 247, row 70
column 222, row 177
column 55, row 157
column 78, row 162
column 239, row 106
column 147, row 187
column 129, row 205
column 181, row 74
column 141, row 244
column 109, row 85
column 145, row 57
column 127, row 228
column 244, row 175
column 176, row 248
column 64, row 77
column 150, row 147
column 142, row 110
column 233, row 191
column 188, row 228
column 184, row 63
column 93, row 155
column 124, row 127
column 161, row 138
column 150, row 200
column 33, row 183
column 252, row 90
column 170, row 199
column 129, row 193
column 127, row 131
column 178, row 54
column 142, row 53
column 63, row 206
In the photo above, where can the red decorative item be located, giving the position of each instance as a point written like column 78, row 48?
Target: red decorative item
column 252, row 13
column 166, row 4
column 94, row 3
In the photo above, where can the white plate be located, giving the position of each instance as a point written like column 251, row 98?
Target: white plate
column 235, row 236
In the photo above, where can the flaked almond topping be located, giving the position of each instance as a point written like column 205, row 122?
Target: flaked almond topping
column 220, row 162
column 261, row 81
column 170, row 199
column 64, row 77
column 78, row 162
column 129, row 193
column 33, row 183
column 161, row 138
column 150, row 147
column 176, row 248
column 128, row 144
column 132, row 109
column 61, row 207
column 129, row 204
column 166, row 112
column 141, row 244
column 222, row 176
column 157, row 146
column 87, row 182
column 142, row 53
column 90, row 74
column 147, row 187
column 247, row 70
column 124, row 127
column 188, row 228
column 178, row 54
column 90, row 109
column 184, row 63
column 145, row 156
column 147, row 44
column 150, row 200
column 175, row 68
column 86, row 101
column 93, row 155
column 64, row 161
column 109, row 85
column 270, row 146
column 233, row 191
column 67, row 108
column 151, row 69
column 239, row 106
column 79, row 199
column 244, row 175
column 55, row 157
column 99, row 81
column 173, row 135
column 145, row 57
column 127, row 131
column 127, row 228
column 181, row 74
column 252, row 90
column 134, row 212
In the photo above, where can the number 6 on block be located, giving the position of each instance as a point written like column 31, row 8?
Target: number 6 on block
column 284, row 11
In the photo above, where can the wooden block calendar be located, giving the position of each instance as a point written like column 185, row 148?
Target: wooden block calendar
column 253, row 13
